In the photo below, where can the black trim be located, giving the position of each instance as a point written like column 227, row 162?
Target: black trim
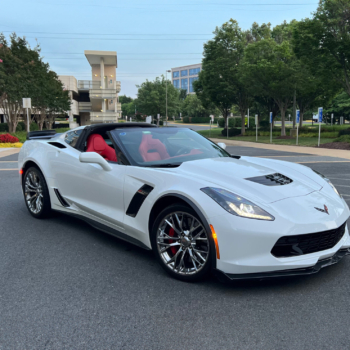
column 286, row 273
column 60, row 198
column 271, row 180
column 138, row 199
column 57, row 144
column 235, row 157
column 121, row 158
column 107, row 229
column 41, row 135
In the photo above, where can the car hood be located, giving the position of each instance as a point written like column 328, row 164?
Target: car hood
column 233, row 174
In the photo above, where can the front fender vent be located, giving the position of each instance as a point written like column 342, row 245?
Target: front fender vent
column 271, row 180
column 60, row 198
column 138, row 199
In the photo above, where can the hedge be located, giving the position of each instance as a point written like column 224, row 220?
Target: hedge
column 231, row 132
column 20, row 127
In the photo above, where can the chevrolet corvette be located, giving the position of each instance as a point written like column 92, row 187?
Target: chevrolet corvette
column 199, row 208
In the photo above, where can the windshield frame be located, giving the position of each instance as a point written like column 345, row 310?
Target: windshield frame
column 115, row 138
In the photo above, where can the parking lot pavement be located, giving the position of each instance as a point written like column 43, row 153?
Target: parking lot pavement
column 65, row 285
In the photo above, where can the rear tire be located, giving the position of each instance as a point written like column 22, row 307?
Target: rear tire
column 36, row 193
column 181, row 243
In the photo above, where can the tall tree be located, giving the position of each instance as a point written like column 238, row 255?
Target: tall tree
column 324, row 41
column 219, row 81
column 270, row 69
column 151, row 97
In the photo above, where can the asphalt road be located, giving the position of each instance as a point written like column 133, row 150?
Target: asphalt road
column 65, row 285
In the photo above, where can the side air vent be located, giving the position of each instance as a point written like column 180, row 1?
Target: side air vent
column 271, row 180
column 57, row 144
column 60, row 198
column 138, row 199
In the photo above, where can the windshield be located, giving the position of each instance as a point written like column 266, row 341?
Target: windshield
column 165, row 146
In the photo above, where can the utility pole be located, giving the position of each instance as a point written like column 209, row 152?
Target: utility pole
column 166, row 96
column 294, row 107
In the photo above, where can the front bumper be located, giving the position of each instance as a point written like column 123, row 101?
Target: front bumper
column 286, row 273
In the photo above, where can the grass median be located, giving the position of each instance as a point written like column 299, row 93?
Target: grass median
column 303, row 141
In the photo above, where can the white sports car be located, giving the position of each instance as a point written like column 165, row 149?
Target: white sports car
column 199, row 208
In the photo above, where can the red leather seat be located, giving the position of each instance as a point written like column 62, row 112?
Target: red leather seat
column 152, row 149
column 96, row 143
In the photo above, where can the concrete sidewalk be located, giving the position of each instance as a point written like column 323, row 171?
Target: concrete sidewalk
column 293, row 149
column 4, row 152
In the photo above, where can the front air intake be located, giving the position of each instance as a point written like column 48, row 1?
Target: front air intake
column 271, row 180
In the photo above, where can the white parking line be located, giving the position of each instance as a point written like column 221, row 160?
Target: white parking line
column 337, row 178
column 342, row 185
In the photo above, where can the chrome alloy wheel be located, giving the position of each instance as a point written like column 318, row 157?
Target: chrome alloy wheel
column 33, row 192
column 183, row 243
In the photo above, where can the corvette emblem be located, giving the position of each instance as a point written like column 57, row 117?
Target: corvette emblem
column 325, row 210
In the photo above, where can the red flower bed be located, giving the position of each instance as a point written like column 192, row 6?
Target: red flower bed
column 7, row 138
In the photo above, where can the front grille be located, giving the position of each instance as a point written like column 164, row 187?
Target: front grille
column 289, row 246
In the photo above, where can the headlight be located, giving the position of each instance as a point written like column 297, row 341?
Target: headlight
column 237, row 205
column 329, row 181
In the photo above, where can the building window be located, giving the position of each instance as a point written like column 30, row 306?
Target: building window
column 176, row 74
column 194, row 71
column 184, row 84
column 191, row 83
column 184, row 73
column 176, row 83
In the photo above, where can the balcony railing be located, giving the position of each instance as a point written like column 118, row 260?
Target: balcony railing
column 118, row 106
column 103, row 117
column 96, row 84
column 118, row 86
column 84, row 106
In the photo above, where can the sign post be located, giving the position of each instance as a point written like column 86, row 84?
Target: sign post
column 248, row 118
column 27, row 103
column 210, row 123
column 320, row 117
column 158, row 117
column 271, row 118
column 332, row 119
column 256, row 126
column 298, row 121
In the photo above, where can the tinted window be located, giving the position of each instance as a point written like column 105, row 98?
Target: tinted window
column 184, row 73
column 194, row 71
column 176, row 74
column 176, row 83
column 72, row 137
column 157, row 146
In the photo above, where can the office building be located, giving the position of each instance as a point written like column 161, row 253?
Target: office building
column 183, row 77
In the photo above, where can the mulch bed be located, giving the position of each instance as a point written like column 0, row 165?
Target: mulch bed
column 336, row 145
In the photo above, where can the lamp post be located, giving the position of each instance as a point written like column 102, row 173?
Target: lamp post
column 166, row 96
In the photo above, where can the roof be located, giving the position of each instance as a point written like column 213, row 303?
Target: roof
column 109, row 57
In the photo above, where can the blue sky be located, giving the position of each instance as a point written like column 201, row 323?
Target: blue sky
column 149, row 36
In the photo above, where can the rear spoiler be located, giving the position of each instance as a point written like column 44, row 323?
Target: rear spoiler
column 41, row 135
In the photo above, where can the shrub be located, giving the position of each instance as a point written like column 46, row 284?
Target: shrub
column 344, row 132
column 231, row 132
column 186, row 119
column 34, row 127
column 264, row 124
column 231, row 122
column 4, row 127
column 343, row 138
column 7, row 138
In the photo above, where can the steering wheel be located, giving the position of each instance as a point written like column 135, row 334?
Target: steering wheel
column 182, row 151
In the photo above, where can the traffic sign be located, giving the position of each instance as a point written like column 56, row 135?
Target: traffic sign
column 298, row 116
column 271, row 117
column 320, row 114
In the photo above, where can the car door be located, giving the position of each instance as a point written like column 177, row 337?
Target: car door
column 91, row 191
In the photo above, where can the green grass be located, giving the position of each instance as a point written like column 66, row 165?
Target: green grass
column 303, row 141
column 22, row 135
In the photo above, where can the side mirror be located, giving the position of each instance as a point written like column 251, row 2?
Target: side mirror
column 222, row 145
column 94, row 158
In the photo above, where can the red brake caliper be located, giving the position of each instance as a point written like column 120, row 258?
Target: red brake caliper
column 172, row 234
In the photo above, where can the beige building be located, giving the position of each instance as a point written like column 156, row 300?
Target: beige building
column 183, row 77
column 95, row 100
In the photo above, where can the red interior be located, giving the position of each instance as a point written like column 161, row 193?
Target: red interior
column 96, row 143
column 152, row 149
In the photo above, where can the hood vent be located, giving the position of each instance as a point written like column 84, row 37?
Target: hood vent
column 271, row 180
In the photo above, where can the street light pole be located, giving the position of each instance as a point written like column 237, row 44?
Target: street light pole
column 166, row 96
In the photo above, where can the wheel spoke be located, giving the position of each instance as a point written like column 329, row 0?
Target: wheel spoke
column 179, row 222
column 192, row 258
column 197, row 236
column 198, row 254
column 173, row 259
column 173, row 227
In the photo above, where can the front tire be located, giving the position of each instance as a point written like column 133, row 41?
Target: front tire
column 36, row 193
column 181, row 243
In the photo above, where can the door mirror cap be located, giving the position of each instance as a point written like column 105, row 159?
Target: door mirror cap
column 94, row 158
column 222, row 145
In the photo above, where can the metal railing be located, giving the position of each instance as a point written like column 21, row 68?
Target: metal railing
column 85, row 106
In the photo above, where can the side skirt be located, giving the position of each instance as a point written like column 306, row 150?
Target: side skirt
column 106, row 229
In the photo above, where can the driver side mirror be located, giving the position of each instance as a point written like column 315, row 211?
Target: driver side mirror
column 222, row 145
column 94, row 158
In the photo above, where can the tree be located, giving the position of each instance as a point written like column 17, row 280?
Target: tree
column 323, row 42
column 219, row 81
column 125, row 99
column 339, row 106
column 270, row 69
column 152, row 100
column 192, row 107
